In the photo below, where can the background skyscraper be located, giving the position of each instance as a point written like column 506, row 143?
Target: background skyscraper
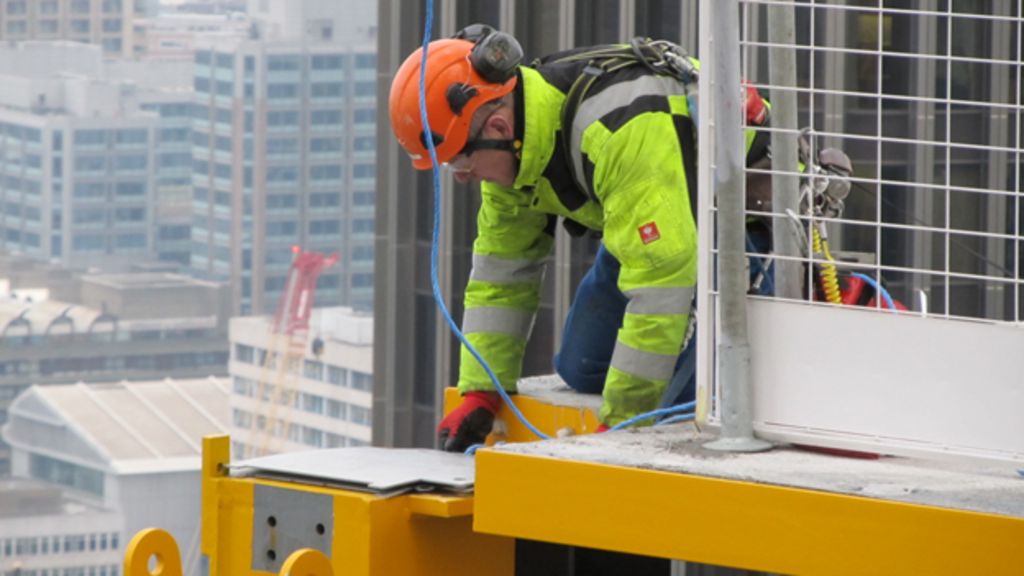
column 284, row 148
column 106, row 23
column 78, row 158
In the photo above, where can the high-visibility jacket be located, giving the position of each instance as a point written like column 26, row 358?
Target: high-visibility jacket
column 634, row 145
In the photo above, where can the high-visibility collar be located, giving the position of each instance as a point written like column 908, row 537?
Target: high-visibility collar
column 540, row 118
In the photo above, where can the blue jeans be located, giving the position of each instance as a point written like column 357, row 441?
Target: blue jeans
column 591, row 330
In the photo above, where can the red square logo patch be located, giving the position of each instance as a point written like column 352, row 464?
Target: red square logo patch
column 649, row 232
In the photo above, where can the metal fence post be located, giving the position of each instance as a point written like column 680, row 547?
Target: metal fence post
column 733, row 349
column 785, row 182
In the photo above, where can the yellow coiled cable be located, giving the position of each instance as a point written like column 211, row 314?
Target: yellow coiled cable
column 829, row 277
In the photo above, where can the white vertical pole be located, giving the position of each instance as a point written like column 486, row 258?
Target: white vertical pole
column 733, row 349
column 706, row 278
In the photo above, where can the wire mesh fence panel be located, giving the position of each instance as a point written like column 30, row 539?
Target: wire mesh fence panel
column 905, row 333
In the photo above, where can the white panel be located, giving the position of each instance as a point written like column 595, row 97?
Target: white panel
column 370, row 468
column 877, row 381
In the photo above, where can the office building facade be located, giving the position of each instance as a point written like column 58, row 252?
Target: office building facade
column 77, row 161
column 164, row 90
column 63, row 533
column 322, row 400
column 105, row 23
column 96, row 156
column 284, row 147
column 173, row 36
column 172, row 178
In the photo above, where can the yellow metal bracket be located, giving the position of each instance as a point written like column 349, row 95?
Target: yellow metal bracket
column 148, row 544
column 307, row 562
column 440, row 506
column 372, row 535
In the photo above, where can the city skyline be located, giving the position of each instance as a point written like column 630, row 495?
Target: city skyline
column 156, row 184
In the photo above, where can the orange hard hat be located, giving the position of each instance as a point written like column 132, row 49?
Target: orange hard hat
column 454, row 91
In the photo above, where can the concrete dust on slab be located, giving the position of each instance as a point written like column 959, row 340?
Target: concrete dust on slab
column 995, row 489
column 551, row 389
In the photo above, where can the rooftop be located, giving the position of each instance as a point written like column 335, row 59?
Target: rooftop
column 145, row 280
column 138, row 426
column 42, row 317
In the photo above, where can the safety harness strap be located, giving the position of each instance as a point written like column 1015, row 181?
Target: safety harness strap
column 661, row 57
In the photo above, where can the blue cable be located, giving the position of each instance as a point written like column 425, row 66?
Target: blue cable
column 428, row 21
column 654, row 414
column 676, row 419
column 878, row 289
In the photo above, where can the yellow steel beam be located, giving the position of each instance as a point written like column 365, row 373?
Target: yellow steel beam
column 440, row 506
column 732, row 523
column 548, row 418
column 216, row 456
column 423, row 534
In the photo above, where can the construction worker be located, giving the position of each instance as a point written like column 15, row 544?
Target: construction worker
column 602, row 137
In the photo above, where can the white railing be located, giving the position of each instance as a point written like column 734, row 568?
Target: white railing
column 927, row 103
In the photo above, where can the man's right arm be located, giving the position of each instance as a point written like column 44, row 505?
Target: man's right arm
column 503, row 293
column 501, row 299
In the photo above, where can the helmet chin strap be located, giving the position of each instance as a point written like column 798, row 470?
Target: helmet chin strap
column 490, row 144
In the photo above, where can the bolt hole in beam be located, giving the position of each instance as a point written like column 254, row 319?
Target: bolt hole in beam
column 271, row 555
column 272, row 521
column 152, row 552
column 320, row 529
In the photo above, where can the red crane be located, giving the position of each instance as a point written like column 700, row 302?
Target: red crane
column 286, row 347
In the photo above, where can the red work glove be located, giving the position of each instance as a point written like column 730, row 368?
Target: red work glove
column 757, row 112
column 601, row 428
column 470, row 423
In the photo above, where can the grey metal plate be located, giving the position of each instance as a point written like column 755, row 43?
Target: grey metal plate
column 284, row 521
column 380, row 470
